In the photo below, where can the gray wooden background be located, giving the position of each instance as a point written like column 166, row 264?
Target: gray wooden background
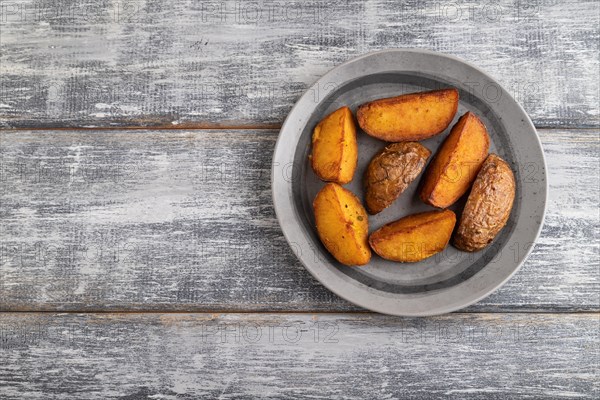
column 140, row 256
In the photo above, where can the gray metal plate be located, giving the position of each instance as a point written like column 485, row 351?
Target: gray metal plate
column 452, row 279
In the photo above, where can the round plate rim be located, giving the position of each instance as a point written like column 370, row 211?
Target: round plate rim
column 282, row 200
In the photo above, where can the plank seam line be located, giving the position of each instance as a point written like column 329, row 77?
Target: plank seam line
column 224, row 128
column 149, row 312
column 150, row 128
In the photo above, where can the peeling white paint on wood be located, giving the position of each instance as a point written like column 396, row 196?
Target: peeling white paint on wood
column 320, row 356
column 183, row 220
column 151, row 63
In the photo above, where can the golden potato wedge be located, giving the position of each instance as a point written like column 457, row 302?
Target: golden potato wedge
column 456, row 164
column 414, row 237
column 334, row 149
column 488, row 206
column 391, row 171
column 414, row 116
column 342, row 224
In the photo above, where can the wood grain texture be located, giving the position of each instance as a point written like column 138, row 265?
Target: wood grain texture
column 281, row 356
column 183, row 220
column 231, row 63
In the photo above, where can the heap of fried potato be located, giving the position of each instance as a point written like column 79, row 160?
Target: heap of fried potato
column 461, row 163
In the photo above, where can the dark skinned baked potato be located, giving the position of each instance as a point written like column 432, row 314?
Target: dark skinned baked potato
column 488, row 206
column 391, row 171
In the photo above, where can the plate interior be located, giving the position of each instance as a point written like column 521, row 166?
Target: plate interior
column 443, row 270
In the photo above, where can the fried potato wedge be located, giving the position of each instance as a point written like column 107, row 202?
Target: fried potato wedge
column 414, row 237
column 414, row 116
column 457, row 162
column 334, row 149
column 488, row 206
column 342, row 224
column 391, row 171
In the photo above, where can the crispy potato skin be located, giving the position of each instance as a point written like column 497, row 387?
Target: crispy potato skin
column 457, row 162
column 334, row 148
column 414, row 116
column 414, row 237
column 342, row 225
column 488, row 206
column 391, row 171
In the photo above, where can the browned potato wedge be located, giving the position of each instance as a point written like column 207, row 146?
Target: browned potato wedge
column 342, row 224
column 488, row 206
column 334, row 149
column 414, row 116
column 391, row 171
column 456, row 164
column 415, row 237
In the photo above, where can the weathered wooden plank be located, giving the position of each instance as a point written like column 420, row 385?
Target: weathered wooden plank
column 163, row 62
column 322, row 356
column 183, row 220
